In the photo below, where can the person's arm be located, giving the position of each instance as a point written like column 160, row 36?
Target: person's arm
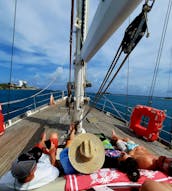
column 150, row 185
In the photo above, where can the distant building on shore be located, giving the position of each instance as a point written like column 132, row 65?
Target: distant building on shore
column 22, row 83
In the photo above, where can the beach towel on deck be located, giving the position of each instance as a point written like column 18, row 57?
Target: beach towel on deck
column 110, row 177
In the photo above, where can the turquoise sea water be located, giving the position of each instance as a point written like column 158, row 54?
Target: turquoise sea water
column 131, row 101
column 25, row 104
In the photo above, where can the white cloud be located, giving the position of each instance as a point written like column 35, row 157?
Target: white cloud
column 39, row 25
column 42, row 35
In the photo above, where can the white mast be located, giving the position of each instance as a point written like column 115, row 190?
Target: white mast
column 79, row 65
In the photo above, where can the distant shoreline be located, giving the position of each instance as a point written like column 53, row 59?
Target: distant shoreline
column 5, row 86
column 19, row 88
column 168, row 98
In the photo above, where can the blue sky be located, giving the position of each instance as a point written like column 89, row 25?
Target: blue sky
column 41, row 48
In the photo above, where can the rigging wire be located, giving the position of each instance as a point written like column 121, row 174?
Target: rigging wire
column 71, row 38
column 11, row 67
column 128, row 69
column 113, row 64
column 169, row 78
column 168, row 87
column 123, row 62
column 83, row 36
column 70, row 57
column 133, row 34
column 158, row 59
column 11, row 60
column 100, row 94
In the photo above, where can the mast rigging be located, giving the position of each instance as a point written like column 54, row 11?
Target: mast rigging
column 158, row 59
column 12, row 56
column 133, row 34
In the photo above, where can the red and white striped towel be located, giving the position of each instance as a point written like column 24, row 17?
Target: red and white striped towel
column 110, row 177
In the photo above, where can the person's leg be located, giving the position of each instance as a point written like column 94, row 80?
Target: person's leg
column 115, row 137
column 150, row 185
column 72, row 134
column 43, row 136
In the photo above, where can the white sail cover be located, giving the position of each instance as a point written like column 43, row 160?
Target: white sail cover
column 109, row 16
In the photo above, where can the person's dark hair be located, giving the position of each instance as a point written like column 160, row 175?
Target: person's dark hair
column 36, row 152
column 170, row 169
column 130, row 167
column 134, row 189
column 110, row 162
column 48, row 143
column 22, row 181
column 33, row 154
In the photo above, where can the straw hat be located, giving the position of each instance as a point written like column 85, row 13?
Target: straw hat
column 86, row 153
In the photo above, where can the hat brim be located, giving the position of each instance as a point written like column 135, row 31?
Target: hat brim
column 97, row 160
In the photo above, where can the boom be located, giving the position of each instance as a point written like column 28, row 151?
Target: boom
column 108, row 18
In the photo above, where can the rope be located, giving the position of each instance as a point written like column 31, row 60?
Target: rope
column 158, row 59
column 71, row 38
column 113, row 64
column 123, row 62
column 12, row 56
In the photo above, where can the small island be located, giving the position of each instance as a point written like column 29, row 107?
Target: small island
column 168, row 98
column 22, row 85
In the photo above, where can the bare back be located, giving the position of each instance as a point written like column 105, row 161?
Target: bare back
column 144, row 158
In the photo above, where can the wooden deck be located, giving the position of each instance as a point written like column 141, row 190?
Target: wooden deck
column 24, row 134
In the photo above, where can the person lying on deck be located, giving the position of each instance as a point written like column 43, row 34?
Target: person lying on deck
column 104, row 154
column 34, row 168
column 112, row 155
column 144, row 158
